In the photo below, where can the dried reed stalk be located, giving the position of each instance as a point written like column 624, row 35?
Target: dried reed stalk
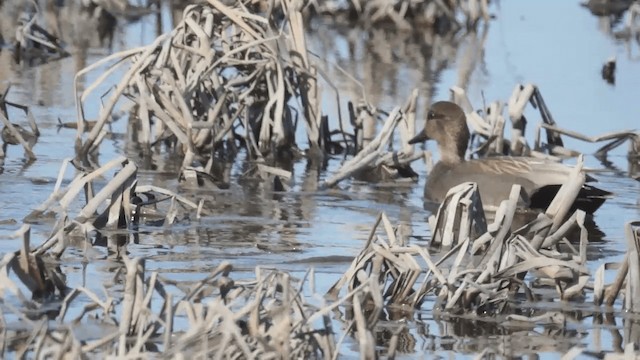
column 615, row 139
column 17, row 134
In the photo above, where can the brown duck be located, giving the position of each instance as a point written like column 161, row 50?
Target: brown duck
column 447, row 125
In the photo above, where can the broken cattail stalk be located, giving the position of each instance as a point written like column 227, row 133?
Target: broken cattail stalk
column 611, row 292
column 517, row 102
column 566, row 196
column 497, row 122
column 459, row 96
column 105, row 112
column 459, row 217
column 370, row 153
column 632, row 292
column 408, row 126
column 122, row 181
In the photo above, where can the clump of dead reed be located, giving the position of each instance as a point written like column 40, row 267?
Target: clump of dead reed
column 227, row 78
column 479, row 276
column 267, row 316
column 628, row 273
column 629, row 28
column 37, row 272
column 491, row 274
column 221, row 68
column 121, row 203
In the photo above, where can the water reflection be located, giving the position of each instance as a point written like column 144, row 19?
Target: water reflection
column 604, row 8
column 500, row 337
column 618, row 20
column 387, row 64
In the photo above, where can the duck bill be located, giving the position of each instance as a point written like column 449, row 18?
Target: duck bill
column 421, row 137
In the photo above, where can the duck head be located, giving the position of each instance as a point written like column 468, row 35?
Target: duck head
column 447, row 125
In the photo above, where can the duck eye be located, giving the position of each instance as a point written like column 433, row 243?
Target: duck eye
column 431, row 115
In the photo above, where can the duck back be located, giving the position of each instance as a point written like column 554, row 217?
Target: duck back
column 495, row 176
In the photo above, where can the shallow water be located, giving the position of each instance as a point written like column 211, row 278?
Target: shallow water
column 561, row 51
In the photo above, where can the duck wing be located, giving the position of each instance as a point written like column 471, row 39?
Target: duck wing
column 540, row 180
column 494, row 176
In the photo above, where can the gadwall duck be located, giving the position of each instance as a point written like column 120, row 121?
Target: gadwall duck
column 447, row 125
